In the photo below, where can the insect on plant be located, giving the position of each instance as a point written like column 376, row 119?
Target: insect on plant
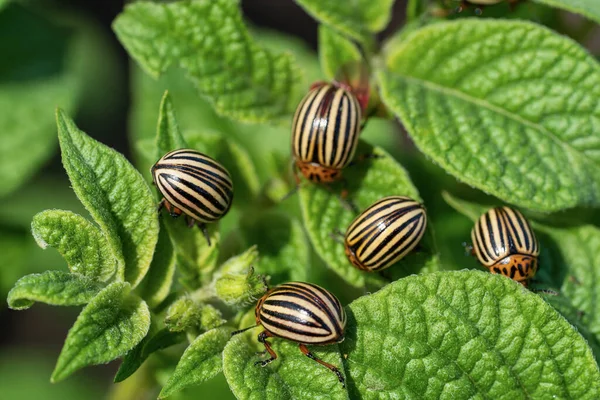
column 327, row 124
column 384, row 233
column 303, row 313
column 504, row 242
column 195, row 185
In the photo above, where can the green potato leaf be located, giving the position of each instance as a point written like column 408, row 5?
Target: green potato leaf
column 81, row 243
column 335, row 51
column 201, row 361
column 116, row 196
column 58, row 288
column 358, row 19
column 210, row 42
column 291, row 376
column 112, row 323
column 587, row 8
column 150, row 344
column 502, row 106
column 465, row 334
column 156, row 285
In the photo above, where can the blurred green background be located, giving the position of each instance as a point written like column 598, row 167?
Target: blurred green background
column 64, row 54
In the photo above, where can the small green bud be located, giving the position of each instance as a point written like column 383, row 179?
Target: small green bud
column 239, row 264
column 184, row 314
column 240, row 289
column 211, row 317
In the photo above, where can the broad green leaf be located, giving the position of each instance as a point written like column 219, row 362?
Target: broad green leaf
column 291, row 376
column 150, row 344
column 493, row 101
column 200, row 361
column 587, row 8
column 31, row 82
column 81, row 243
column 210, row 42
column 368, row 181
column 156, row 285
column 282, row 244
column 113, row 323
column 569, row 261
column 234, row 158
column 52, row 287
column 358, row 19
column 335, row 51
column 116, row 196
column 466, row 334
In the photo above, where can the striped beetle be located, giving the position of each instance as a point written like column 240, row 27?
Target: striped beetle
column 504, row 243
column 325, row 132
column 385, row 232
column 193, row 184
column 303, row 313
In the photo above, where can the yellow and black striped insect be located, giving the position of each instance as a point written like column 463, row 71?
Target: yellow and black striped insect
column 504, row 243
column 303, row 313
column 385, row 232
column 325, row 132
column 193, row 184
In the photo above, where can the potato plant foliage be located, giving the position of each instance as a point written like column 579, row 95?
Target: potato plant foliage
column 496, row 110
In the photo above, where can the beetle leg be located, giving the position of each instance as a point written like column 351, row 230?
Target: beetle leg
column 262, row 338
column 189, row 220
column 364, row 157
column 334, row 369
column 337, row 235
column 161, row 205
column 202, row 227
column 469, row 249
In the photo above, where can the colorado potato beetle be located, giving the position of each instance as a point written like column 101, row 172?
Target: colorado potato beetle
column 504, row 243
column 325, row 132
column 193, row 184
column 385, row 232
column 303, row 313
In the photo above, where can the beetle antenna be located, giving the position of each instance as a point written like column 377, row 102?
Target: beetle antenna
column 243, row 330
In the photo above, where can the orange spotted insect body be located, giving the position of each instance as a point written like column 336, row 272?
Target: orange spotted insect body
column 303, row 313
column 193, row 184
column 504, row 243
column 325, row 131
column 385, row 232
